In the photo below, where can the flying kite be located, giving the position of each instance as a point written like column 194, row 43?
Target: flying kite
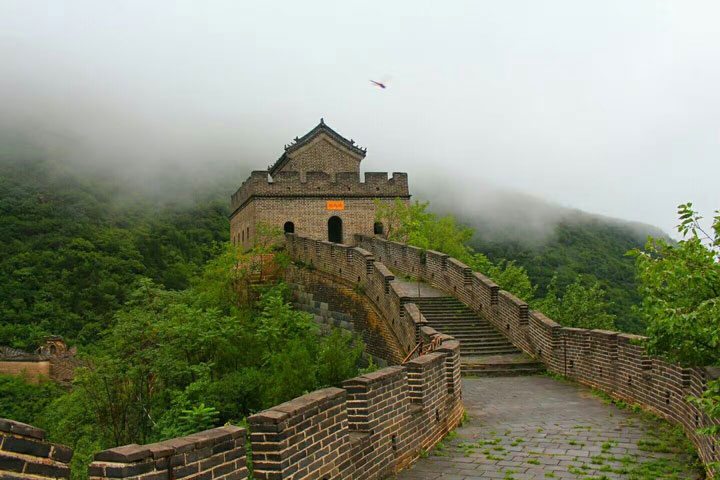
column 379, row 84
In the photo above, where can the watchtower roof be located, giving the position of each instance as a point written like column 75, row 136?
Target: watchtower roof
column 321, row 128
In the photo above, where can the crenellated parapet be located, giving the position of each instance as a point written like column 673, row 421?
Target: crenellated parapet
column 613, row 362
column 25, row 454
column 320, row 184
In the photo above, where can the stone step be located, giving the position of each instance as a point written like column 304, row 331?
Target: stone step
column 476, row 335
column 463, row 335
column 499, row 371
column 470, row 327
column 455, row 321
column 447, row 311
column 466, row 347
column 500, row 365
column 448, row 306
column 459, row 321
column 454, row 307
column 475, row 329
column 477, row 351
column 484, row 342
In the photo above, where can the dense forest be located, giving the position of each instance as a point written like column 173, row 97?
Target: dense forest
column 72, row 248
column 150, row 292
column 586, row 246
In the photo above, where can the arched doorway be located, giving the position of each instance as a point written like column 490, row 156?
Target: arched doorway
column 289, row 227
column 335, row 230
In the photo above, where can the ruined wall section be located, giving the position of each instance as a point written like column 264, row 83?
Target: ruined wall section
column 335, row 304
column 33, row 370
column 613, row 362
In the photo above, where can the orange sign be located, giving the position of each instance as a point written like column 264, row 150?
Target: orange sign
column 336, row 205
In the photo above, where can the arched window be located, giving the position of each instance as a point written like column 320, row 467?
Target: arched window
column 289, row 227
column 378, row 228
column 335, row 230
column 243, row 236
column 248, row 234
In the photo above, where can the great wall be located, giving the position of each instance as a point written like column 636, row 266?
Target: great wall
column 379, row 423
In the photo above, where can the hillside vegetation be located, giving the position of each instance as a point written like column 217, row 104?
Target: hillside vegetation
column 590, row 247
column 71, row 252
column 174, row 338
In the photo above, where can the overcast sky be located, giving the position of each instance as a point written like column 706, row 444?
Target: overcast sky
column 610, row 107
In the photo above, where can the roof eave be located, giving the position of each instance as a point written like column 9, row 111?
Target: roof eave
column 319, row 128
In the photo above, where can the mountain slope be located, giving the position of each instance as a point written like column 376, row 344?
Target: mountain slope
column 581, row 245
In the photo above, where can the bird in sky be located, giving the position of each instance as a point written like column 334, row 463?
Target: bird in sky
column 379, row 84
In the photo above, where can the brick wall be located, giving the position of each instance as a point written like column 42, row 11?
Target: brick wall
column 319, row 183
column 609, row 361
column 24, row 453
column 34, row 370
column 335, row 305
column 322, row 154
column 379, row 422
column 213, row 454
column 288, row 198
column 375, row 425
column 309, row 215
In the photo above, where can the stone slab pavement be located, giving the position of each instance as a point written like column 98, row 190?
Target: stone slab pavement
column 539, row 427
column 408, row 288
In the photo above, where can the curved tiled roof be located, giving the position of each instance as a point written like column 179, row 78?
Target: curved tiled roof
column 16, row 355
column 299, row 142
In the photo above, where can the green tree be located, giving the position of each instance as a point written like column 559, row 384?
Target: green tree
column 23, row 401
column 197, row 419
column 338, row 358
column 414, row 225
column 680, row 286
column 583, row 305
column 507, row 274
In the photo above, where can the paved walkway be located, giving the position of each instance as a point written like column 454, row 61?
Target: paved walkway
column 409, row 288
column 537, row 427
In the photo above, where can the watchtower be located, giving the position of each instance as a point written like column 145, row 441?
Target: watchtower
column 314, row 190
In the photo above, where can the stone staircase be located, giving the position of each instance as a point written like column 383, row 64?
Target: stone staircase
column 483, row 350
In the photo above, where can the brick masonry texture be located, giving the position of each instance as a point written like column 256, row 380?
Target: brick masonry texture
column 339, row 305
column 613, row 362
column 24, row 453
column 213, row 454
column 34, row 371
column 320, row 167
column 380, row 422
